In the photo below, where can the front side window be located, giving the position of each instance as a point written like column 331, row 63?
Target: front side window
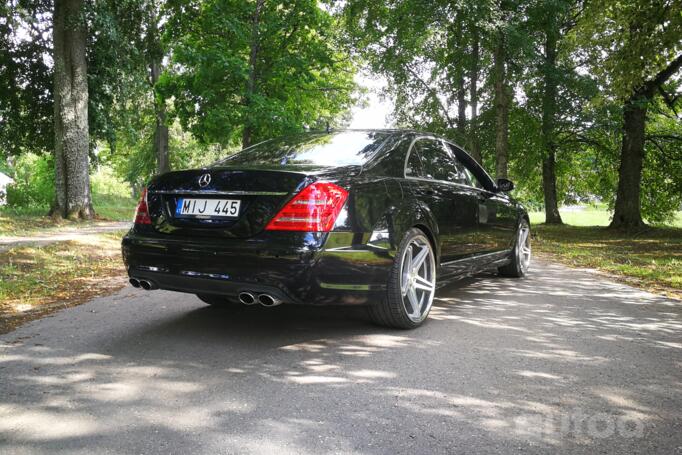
column 470, row 177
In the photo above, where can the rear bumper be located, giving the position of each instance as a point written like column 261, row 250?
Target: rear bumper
column 294, row 267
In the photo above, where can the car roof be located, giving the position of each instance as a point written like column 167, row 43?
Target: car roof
column 389, row 131
column 376, row 130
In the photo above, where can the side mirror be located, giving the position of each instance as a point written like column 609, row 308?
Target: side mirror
column 504, row 185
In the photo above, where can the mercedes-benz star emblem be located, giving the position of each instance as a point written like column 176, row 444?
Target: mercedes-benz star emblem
column 204, row 180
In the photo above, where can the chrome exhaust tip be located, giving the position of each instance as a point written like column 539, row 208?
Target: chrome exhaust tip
column 144, row 284
column 268, row 300
column 247, row 298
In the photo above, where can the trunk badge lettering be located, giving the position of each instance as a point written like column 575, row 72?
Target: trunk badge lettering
column 204, row 180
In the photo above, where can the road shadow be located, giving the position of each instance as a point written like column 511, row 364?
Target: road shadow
column 502, row 366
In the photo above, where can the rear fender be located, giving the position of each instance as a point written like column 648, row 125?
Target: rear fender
column 379, row 215
column 408, row 215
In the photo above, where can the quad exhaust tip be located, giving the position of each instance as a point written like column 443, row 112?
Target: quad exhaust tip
column 251, row 298
column 247, row 298
column 144, row 284
column 268, row 301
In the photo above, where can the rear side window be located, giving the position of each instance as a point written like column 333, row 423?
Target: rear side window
column 437, row 163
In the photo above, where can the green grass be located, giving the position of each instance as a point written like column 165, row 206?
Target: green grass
column 20, row 221
column 34, row 279
column 114, row 208
column 589, row 216
column 650, row 258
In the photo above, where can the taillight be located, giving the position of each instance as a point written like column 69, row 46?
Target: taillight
column 142, row 211
column 314, row 209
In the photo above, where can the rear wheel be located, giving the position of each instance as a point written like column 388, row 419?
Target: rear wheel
column 217, row 300
column 411, row 285
column 520, row 259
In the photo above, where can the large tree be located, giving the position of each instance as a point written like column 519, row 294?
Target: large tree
column 635, row 48
column 551, row 20
column 417, row 47
column 154, row 53
column 502, row 101
column 244, row 71
column 26, row 112
column 444, row 61
column 66, row 78
column 72, row 178
column 126, row 105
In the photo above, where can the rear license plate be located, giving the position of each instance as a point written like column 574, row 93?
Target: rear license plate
column 208, row 208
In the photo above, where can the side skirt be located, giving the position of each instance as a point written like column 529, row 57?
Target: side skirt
column 463, row 268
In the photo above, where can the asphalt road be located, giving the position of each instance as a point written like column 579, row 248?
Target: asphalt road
column 562, row 361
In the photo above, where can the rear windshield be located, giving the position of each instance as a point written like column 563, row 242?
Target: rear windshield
column 343, row 148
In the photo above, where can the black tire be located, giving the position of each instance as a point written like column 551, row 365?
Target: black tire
column 518, row 266
column 391, row 311
column 218, row 301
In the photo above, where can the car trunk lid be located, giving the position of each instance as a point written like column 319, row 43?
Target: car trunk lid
column 260, row 192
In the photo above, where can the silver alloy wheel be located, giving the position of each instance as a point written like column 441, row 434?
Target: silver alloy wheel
column 523, row 247
column 418, row 278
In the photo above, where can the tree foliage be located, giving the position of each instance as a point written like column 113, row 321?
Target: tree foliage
column 256, row 69
column 635, row 49
column 26, row 123
column 589, row 87
column 601, row 52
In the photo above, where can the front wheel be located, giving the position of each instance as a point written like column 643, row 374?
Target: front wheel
column 520, row 257
column 411, row 285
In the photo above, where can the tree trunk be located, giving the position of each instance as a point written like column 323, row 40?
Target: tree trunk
column 161, row 130
column 474, row 143
column 627, row 212
column 459, row 76
column 501, row 108
column 461, row 106
column 72, row 178
column 247, row 134
column 552, row 215
column 155, row 57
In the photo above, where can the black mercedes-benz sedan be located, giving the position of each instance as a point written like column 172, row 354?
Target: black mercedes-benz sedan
column 379, row 218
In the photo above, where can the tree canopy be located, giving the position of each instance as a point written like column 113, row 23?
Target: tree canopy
column 241, row 71
column 574, row 99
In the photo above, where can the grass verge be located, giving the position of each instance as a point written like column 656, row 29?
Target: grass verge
column 590, row 215
column 651, row 259
column 29, row 220
column 35, row 281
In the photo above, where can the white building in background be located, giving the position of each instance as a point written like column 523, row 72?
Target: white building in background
column 5, row 180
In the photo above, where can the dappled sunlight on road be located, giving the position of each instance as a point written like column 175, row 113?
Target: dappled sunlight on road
column 537, row 364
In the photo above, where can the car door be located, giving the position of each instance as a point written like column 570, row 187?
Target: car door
column 496, row 214
column 438, row 181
